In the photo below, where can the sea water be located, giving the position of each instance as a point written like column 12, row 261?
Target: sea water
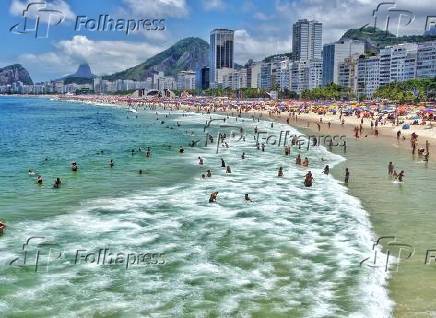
column 292, row 252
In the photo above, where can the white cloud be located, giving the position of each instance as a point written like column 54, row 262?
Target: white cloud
column 104, row 57
column 247, row 47
column 213, row 4
column 157, row 8
column 18, row 6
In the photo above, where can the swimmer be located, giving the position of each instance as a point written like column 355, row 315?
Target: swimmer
column 305, row 162
column 326, row 170
column 228, row 170
column 209, row 174
column 247, row 198
column 2, row 227
column 140, row 171
column 31, row 172
column 401, row 176
column 298, row 160
column 181, row 150
column 57, row 183
column 213, row 197
column 200, row 161
column 280, row 172
column 39, row 180
column 203, row 176
column 243, row 155
column 390, row 168
column 148, row 153
column 74, row 166
column 308, row 180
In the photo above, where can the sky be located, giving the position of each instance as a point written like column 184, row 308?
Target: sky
column 262, row 28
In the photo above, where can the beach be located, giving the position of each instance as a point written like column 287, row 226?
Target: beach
column 261, row 259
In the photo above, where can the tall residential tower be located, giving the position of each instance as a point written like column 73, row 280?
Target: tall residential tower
column 307, row 40
column 221, row 55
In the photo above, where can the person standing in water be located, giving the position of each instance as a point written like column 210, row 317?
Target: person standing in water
column 401, row 176
column 280, row 173
column 200, row 161
column 308, row 180
column 390, row 168
column 74, row 166
column 228, row 170
column 111, row 163
column 39, row 180
column 243, row 155
column 223, row 164
column 181, row 150
column 213, row 197
column 326, row 170
column 57, row 183
column 247, row 198
column 347, row 175
column 298, row 160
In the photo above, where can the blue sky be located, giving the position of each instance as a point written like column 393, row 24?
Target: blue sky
column 263, row 27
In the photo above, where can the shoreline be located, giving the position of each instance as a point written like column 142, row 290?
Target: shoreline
column 386, row 138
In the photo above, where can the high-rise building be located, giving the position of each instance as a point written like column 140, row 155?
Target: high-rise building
column 336, row 53
column 221, row 54
column 307, row 40
column 403, row 62
column 186, row 80
column 426, row 60
column 205, row 77
column 253, row 75
column 368, row 75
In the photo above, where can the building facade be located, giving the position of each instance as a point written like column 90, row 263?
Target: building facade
column 307, row 40
column 221, row 54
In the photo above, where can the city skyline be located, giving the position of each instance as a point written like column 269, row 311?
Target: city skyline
column 260, row 30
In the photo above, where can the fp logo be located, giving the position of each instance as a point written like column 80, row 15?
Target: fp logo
column 37, row 20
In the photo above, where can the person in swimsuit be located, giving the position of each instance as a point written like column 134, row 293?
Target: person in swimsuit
column 326, row 170
column 247, row 198
column 305, row 162
column 347, row 175
column 223, row 164
column 401, row 176
column 298, row 160
column 200, row 161
column 213, row 197
column 228, row 170
column 57, row 183
column 39, row 180
column 390, row 168
column 280, row 173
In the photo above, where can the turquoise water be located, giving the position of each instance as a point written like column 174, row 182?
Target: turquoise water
column 293, row 252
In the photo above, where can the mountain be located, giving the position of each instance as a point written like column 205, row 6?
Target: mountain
column 14, row 73
column 84, row 71
column 376, row 39
column 83, row 75
column 186, row 54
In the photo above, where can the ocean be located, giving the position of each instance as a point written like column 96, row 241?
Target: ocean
column 115, row 243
